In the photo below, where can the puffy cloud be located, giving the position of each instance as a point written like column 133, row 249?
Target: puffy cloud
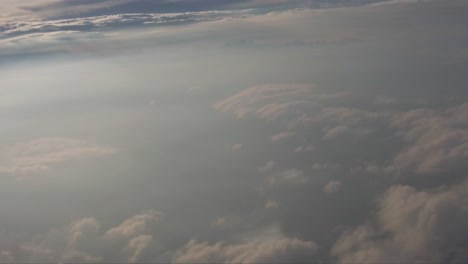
column 411, row 226
column 271, row 204
column 385, row 100
column 135, row 226
column 348, row 116
column 334, row 132
column 332, row 187
column 282, row 135
column 6, row 256
column 236, row 146
column 73, row 244
column 438, row 141
column 268, row 167
column 325, row 166
column 84, row 241
column 257, row 250
column 81, row 230
column 137, row 246
column 275, row 101
column 307, row 148
column 435, row 141
column 226, row 221
column 196, row 252
column 292, row 176
column 341, row 121
column 39, row 154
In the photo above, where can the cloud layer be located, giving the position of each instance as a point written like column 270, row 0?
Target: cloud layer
column 342, row 129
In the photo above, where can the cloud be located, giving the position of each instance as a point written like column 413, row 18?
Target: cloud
column 434, row 141
column 226, row 221
column 411, row 226
column 271, row 204
column 292, row 176
column 109, row 22
column 84, row 241
column 135, row 226
column 274, row 101
column 6, row 256
column 307, row 148
column 137, row 246
column 268, row 249
column 40, row 154
column 236, row 146
column 33, row 35
column 346, row 116
column 81, row 230
column 334, row 132
column 282, row 135
column 332, row 187
column 325, row 166
column 268, row 167
column 341, row 121
column 385, row 100
column 438, row 140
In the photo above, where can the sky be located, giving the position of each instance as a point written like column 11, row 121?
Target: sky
column 233, row 131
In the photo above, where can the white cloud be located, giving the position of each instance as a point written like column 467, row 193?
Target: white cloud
column 342, row 121
column 40, row 154
column 438, row 141
column 348, row 116
column 137, row 246
column 84, row 241
column 385, row 100
column 307, row 148
column 6, row 256
column 226, row 221
column 237, row 146
column 152, row 102
column 335, row 131
column 332, row 187
column 81, row 230
column 268, row 167
column 135, row 226
column 274, row 101
column 271, row 204
column 271, row 248
column 292, row 176
column 411, row 226
column 325, row 166
column 282, row 135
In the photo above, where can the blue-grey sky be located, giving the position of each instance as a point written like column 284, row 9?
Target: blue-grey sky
column 238, row 131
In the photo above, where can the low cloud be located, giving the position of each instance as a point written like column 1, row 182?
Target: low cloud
column 292, row 176
column 332, row 187
column 268, row 248
column 411, row 226
column 268, row 167
column 274, row 101
column 135, row 226
column 306, row 148
column 438, row 141
column 271, row 204
column 40, row 154
column 226, row 221
column 84, row 241
column 282, row 135
column 237, row 147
